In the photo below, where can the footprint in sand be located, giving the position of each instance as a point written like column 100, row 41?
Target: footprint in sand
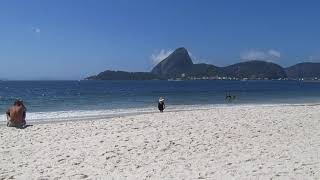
column 80, row 176
column 43, row 178
column 76, row 161
column 61, row 161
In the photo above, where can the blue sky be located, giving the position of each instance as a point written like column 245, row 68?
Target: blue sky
column 66, row 39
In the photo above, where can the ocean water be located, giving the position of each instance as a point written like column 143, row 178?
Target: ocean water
column 48, row 100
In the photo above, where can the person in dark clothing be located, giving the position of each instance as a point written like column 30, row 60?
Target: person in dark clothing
column 161, row 105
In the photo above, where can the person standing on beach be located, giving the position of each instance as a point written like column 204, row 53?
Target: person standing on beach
column 16, row 115
column 161, row 105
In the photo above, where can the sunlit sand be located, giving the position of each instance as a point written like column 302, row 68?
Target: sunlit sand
column 240, row 142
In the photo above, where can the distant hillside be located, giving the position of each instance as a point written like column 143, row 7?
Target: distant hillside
column 122, row 75
column 179, row 62
column 304, row 70
column 202, row 70
column 174, row 65
column 255, row 70
column 179, row 65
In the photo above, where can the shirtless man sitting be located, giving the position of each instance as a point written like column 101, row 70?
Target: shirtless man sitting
column 16, row 115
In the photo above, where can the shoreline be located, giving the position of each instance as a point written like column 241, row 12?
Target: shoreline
column 116, row 113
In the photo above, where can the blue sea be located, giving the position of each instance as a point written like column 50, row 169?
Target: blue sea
column 49, row 100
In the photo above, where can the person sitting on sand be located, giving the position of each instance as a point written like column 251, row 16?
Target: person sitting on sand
column 16, row 115
column 161, row 105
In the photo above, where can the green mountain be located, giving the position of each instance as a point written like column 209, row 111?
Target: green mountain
column 179, row 65
column 206, row 70
column 174, row 65
column 255, row 70
column 179, row 62
column 307, row 70
column 122, row 75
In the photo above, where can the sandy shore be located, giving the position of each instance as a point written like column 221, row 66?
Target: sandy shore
column 242, row 142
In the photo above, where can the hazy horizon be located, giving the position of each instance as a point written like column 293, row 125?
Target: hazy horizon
column 70, row 40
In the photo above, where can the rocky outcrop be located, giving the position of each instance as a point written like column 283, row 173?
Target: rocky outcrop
column 174, row 65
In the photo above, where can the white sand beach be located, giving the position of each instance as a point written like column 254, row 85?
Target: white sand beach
column 240, row 142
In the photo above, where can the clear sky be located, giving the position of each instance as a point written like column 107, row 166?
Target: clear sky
column 71, row 39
